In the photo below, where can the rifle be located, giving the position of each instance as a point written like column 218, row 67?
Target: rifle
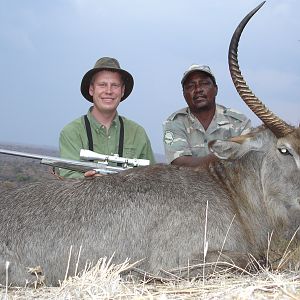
column 101, row 166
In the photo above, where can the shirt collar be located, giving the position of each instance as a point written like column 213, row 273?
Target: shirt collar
column 94, row 123
column 218, row 120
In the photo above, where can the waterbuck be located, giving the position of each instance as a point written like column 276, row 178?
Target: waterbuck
column 163, row 215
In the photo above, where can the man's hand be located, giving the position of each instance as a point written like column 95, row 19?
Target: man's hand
column 192, row 161
column 91, row 174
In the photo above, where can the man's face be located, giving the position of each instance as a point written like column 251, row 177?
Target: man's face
column 199, row 92
column 107, row 89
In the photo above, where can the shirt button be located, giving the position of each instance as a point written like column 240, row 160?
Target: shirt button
column 109, row 136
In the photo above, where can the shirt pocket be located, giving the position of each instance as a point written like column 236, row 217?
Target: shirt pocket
column 129, row 151
column 199, row 150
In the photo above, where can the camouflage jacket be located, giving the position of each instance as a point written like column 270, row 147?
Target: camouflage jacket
column 184, row 134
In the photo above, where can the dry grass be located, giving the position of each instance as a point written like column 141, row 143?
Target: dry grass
column 103, row 281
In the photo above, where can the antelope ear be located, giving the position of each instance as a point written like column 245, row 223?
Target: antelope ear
column 224, row 149
column 235, row 147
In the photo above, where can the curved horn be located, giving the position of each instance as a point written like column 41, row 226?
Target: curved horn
column 274, row 123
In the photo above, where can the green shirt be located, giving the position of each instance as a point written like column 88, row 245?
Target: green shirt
column 185, row 135
column 73, row 137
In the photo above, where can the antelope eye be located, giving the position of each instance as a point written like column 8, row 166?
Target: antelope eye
column 284, row 151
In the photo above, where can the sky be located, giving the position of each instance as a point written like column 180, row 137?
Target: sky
column 47, row 46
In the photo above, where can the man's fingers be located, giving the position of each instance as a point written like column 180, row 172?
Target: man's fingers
column 90, row 173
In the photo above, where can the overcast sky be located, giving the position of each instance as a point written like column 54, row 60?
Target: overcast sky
column 47, row 46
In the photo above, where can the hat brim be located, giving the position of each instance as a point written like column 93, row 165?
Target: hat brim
column 195, row 71
column 86, row 80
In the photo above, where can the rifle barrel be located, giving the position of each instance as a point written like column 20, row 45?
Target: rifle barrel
column 74, row 165
column 22, row 154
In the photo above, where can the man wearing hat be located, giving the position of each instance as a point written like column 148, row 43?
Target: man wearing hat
column 188, row 130
column 102, row 130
